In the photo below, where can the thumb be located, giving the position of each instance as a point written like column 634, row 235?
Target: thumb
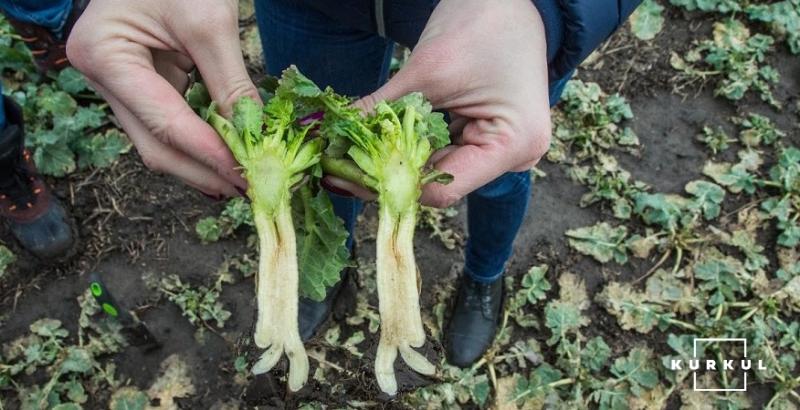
column 399, row 85
column 219, row 60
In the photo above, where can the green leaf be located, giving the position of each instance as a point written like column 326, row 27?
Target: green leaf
column 647, row 20
column 637, row 370
column 719, row 275
column 321, row 238
column 758, row 130
column 707, row 198
column 56, row 160
column 534, row 284
column 238, row 212
column 563, row 318
column 601, row 241
column 537, row 385
column 247, row 115
column 78, row 360
column 129, row 398
column 48, row 328
column 101, row 150
column 198, row 98
column 71, row 81
column 67, row 406
column 632, row 309
column 293, row 82
column 596, row 353
column 6, row 259
column 208, row 229
column 660, row 209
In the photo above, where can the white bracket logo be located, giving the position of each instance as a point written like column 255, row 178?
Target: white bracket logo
column 719, row 339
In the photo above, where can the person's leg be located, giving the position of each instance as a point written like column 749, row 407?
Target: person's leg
column 2, row 108
column 51, row 14
column 494, row 216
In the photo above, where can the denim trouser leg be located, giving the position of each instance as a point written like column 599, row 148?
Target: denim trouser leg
column 330, row 53
column 2, row 108
column 51, row 14
column 494, row 215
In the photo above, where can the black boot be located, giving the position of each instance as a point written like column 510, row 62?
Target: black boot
column 33, row 214
column 474, row 321
column 312, row 314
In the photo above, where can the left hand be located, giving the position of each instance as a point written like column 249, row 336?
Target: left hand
column 484, row 61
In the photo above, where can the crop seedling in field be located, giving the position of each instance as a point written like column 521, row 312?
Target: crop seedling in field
column 735, row 55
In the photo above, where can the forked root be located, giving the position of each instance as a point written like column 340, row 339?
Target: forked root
column 398, row 295
column 277, row 298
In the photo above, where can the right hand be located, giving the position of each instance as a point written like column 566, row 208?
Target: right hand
column 137, row 55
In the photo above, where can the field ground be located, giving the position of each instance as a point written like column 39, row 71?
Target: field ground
column 137, row 227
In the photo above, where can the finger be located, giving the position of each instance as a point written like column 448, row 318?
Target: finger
column 174, row 67
column 472, row 167
column 218, row 57
column 132, row 80
column 486, row 154
column 348, row 187
column 456, row 126
column 441, row 153
column 162, row 158
column 402, row 83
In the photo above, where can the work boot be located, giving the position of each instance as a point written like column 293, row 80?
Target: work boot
column 47, row 47
column 474, row 321
column 312, row 314
column 34, row 215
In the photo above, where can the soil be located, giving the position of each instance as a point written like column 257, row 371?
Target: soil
column 132, row 222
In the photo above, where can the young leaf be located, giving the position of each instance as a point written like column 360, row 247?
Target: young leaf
column 601, row 241
column 632, row 309
column 719, row 275
column 637, row 370
column 71, row 81
column 707, row 198
column 321, row 237
column 647, row 20
column 534, row 284
column 6, row 258
column 596, row 353
column 563, row 318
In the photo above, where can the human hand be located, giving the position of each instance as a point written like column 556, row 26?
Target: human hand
column 137, row 55
column 484, row 61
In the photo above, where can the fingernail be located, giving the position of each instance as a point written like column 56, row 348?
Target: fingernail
column 241, row 191
column 336, row 190
column 215, row 198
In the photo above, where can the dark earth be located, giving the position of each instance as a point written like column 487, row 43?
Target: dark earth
column 132, row 221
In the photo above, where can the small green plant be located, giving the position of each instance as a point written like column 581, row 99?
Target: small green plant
column 647, row 20
column 590, row 121
column 201, row 304
column 237, row 213
column 73, row 370
column 6, row 259
column 737, row 57
column 715, row 139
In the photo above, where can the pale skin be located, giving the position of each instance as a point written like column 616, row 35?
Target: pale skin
column 484, row 61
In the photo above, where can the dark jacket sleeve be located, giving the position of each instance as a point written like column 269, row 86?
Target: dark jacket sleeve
column 586, row 24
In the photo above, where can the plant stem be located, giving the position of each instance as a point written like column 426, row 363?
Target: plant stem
column 346, row 169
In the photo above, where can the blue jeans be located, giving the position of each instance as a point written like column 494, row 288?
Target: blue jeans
column 51, row 14
column 336, row 45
